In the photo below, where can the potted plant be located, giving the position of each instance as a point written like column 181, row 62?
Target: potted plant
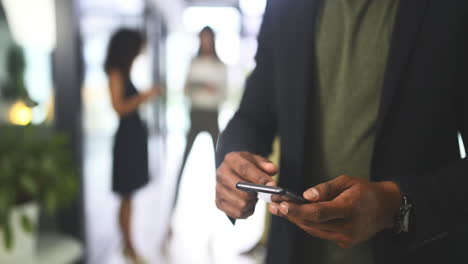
column 36, row 169
column 14, row 90
column 15, row 87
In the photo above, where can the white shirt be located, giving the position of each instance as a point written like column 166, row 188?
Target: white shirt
column 207, row 74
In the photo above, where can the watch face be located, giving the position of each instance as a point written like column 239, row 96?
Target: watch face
column 406, row 218
column 406, row 214
column 403, row 219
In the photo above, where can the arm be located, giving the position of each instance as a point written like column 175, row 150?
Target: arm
column 224, row 86
column 250, row 132
column 254, row 125
column 189, row 82
column 187, row 90
column 350, row 210
column 124, row 106
column 440, row 198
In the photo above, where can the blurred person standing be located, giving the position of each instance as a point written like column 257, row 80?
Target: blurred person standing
column 130, row 164
column 206, row 86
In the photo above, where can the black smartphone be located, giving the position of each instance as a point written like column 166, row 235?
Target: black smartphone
column 278, row 193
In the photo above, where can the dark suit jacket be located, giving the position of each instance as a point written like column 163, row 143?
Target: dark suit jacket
column 424, row 106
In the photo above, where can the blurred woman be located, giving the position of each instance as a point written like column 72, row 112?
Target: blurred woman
column 206, row 86
column 130, row 165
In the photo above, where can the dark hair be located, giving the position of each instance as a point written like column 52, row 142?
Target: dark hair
column 210, row 31
column 124, row 47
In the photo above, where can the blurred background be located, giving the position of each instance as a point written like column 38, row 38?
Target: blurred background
column 57, row 127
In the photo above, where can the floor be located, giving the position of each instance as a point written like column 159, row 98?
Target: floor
column 201, row 233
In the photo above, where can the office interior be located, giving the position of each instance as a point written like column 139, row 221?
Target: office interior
column 62, row 46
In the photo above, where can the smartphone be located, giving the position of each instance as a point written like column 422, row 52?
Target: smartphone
column 278, row 193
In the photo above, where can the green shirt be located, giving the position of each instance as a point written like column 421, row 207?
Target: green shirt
column 353, row 40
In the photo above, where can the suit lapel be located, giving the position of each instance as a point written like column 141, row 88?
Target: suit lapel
column 305, row 17
column 407, row 26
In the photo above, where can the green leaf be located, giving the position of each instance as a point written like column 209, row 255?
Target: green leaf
column 36, row 162
column 28, row 184
column 7, row 236
column 51, row 202
column 4, row 202
column 6, row 167
column 27, row 224
column 48, row 164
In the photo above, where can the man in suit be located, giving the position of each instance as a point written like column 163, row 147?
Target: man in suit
column 368, row 98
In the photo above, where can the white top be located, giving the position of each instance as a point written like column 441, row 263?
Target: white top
column 207, row 83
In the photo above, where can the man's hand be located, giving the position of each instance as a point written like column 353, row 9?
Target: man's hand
column 241, row 167
column 346, row 210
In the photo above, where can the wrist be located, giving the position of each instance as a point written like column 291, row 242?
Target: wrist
column 392, row 201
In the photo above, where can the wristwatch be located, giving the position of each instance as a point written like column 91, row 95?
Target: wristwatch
column 402, row 223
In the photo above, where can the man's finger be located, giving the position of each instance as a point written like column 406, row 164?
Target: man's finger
column 338, row 231
column 229, row 179
column 266, row 165
column 248, row 169
column 327, row 191
column 239, row 214
column 233, row 195
column 341, row 226
column 334, row 230
column 235, row 206
column 314, row 213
